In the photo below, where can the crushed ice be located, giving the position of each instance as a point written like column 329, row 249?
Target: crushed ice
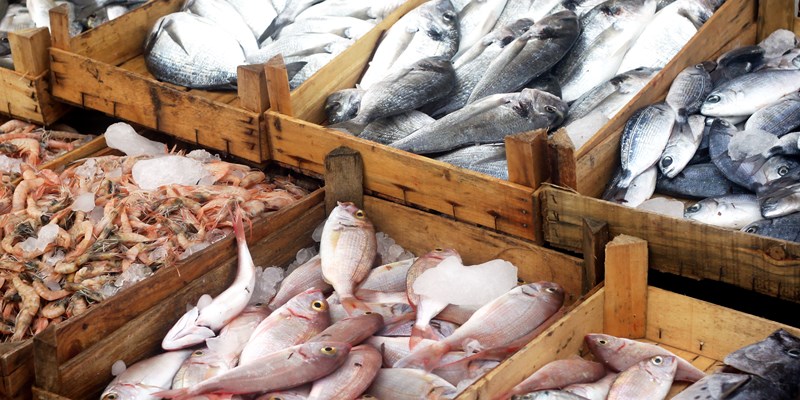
column 267, row 280
column 153, row 173
column 46, row 235
column 302, row 256
column 10, row 165
column 192, row 249
column 124, row 138
column 476, row 285
column 84, row 202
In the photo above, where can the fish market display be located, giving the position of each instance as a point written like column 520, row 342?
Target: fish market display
column 296, row 341
column 21, row 142
column 72, row 239
column 518, row 65
column 202, row 45
column 725, row 136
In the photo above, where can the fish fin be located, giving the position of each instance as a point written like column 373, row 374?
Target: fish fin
column 204, row 301
column 682, row 116
column 376, row 296
column 293, row 68
column 169, row 28
column 351, row 304
column 238, row 228
column 417, row 334
column 222, row 347
column 172, row 394
column 490, row 355
column 427, row 358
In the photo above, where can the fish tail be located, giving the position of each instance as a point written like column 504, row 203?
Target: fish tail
column 351, row 304
column 427, row 358
column 238, row 227
column 419, row 333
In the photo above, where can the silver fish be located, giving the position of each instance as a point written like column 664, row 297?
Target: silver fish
column 782, row 201
column 784, row 228
column 546, row 83
column 300, row 45
column 640, row 190
column 717, row 386
column 487, row 121
column 785, row 145
column 689, row 89
column 737, row 62
column 489, row 159
column 475, row 20
column 374, row 10
column 733, row 211
column 643, row 140
column 698, row 181
column 286, row 15
column 346, row 27
column 391, row 129
column 748, row 93
column 778, row 118
column 311, row 65
column 512, row 11
column 146, row 377
column 776, row 359
column 682, row 145
column 224, row 15
column 343, row 105
column 257, row 14
column 610, row 96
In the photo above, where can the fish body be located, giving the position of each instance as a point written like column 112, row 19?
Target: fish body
column 391, row 129
column 306, row 276
column 286, row 15
column 717, row 386
column 644, row 138
column 512, row 11
column 235, row 335
column 300, row 46
column 758, row 388
column 441, row 329
column 737, row 62
column 352, row 378
column 352, row 330
column 489, row 159
column 257, row 14
column 682, row 145
column 689, row 90
column 785, row 145
column 779, row 118
column 488, row 120
column 560, row 373
column 346, row 27
column 388, row 277
column 746, row 94
column 593, row 391
column 409, row 384
column 620, row 354
column 546, row 83
column 548, row 395
column 475, row 20
column 224, row 15
column 610, row 95
column 776, row 359
column 698, row 181
column 300, row 319
column 784, row 228
column 343, row 105
column 639, row 191
column 201, row 365
column 311, row 64
column 374, row 10
column 143, row 379
column 652, row 376
column 782, row 201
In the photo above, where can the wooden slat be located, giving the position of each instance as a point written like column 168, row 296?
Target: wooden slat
column 59, row 25
column 252, row 84
column 679, row 246
column 626, row 287
column 29, row 49
column 344, row 178
column 773, row 15
column 88, row 149
column 561, row 155
column 527, row 158
column 420, row 181
column 41, row 394
column 19, row 97
column 278, row 86
column 595, row 238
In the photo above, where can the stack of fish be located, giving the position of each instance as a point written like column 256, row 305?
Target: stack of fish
column 636, row 370
column 375, row 334
column 515, row 67
column 723, row 135
column 202, row 45
column 84, row 14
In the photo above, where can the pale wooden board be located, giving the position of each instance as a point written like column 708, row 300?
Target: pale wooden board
column 679, row 246
column 27, row 98
column 773, row 15
column 465, row 195
column 626, row 286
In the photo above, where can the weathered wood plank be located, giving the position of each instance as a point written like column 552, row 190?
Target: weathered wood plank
column 464, row 195
column 527, row 158
column 29, row 49
column 344, row 178
column 773, row 15
column 278, row 86
column 625, row 305
column 595, row 238
column 561, row 155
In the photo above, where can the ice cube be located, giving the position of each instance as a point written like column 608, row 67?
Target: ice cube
column 53, row 258
column 47, row 235
column 750, row 143
column 305, row 254
column 267, row 280
column 476, row 285
column 108, row 290
column 215, row 235
column 88, row 169
column 10, row 165
column 317, row 235
column 135, row 273
column 663, row 206
column 393, row 253
column 192, row 249
column 159, row 254
column 114, row 173
column 124, row 138
column 96, row 215
column 168, row 170
column 84, row 202
column 778, row 43
column 203, row 155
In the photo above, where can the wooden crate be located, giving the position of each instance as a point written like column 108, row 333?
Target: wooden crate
column 25, row 90
column 776, row 14
column 702, row 333
column 104, row 69
column 67, row 371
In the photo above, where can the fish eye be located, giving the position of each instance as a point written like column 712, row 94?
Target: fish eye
column 438, row 249
column 550, row 109
column 550, row 290
column 368, row 396
column 360, row 214
column 603, row 342
column 111, row 396
column 657, row 360
column 198, row 353
column 751, row 229
column 259, row 304
column 666, row 161
column 783, row 170
column 694, row 208
column 328, row 350
column 520, row 281
column 449, row 16
column 275, row 398
column 318, row 305
column 367, row 312
column 793, row 352
column 713, row 99
column 699, row 66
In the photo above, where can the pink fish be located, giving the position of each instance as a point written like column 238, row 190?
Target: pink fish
column 595, row 390
column 388, row 277
column 353, row 330
column 352, row 378
column 306, row 276
column 561, row 373
column 146, row 377
column 620, row 354
column 201, row 365
column 650, row 378
column 409, row 384
column 233, row 337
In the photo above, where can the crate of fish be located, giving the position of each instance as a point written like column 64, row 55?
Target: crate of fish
column 194, row 70
column 481, row 94
column 629, row 340
column 717, row 155
column 334, row 324
column 73, row 239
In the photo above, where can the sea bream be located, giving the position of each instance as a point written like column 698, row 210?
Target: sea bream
column 475, row 20
column 733, row 211
column 352, row 378
column 652, row 376
column 620, row 354
column 143, row 379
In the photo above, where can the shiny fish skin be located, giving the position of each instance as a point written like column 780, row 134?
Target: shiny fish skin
column 782, row 197
column 610, row 95
column 201, row 365
column 300, row 45
column 776, row 359
column 313, row 63
column 235, row 335
column 548, row 395
column 374, row 10
column 698, row 181
column 737, row 62
column 652, row 376
column 733, row 211
column 779, row 118
column 257, row 14
column 682, row 145
column 475, row 20
column 347, row 249
column 608, row 349
column 512, row 11
column 346, row 27
column 487, row 121
column 409, row 384
column 748, row 93
column 717, row 386
column 643, row 140
column 560, row 373
column 785, row 145
column 286, row 15
column 546, row 83
column 441, row 329
column 783, row 228
column 224, row 15
column 388, row 277
column 489, row 159
column 343, row 105
column 352, row 330
column 391, row 129
column 689, row 90
column 639, row 191
column 304, row 277
column 758, row 388
column 143, row 379
column 593, row 391
column 352, row 378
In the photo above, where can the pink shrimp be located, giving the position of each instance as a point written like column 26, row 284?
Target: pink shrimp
column 27, row 148
column 14, row 125
column 21, row 192
column 86, row 229
column 48, row 294
column 27, row 310
column 59, row 145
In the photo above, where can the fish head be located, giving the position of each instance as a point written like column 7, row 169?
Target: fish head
column 778, row 204
column 202, row 364
column 758, row 226
column 343, row 105
column 725, row 101
column 702, row 210
column 440, row 20
column 325, row 351
column 550, row 290
column 563, row 24
column 515, row 29
column 125, row 391
column 435, row 64
column 348, row 214
column 310, row 304
column 661, row 366
column 5, row 47
column 779, row 354
column 605, row 347
column 538, row 105
column 777, row 167
column 439, row 254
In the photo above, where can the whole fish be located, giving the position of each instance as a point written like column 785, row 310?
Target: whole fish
column 475, row 20
column 346, row 27
column 284, row 369
column 489, row 159
column 353, row 330
column 404, row 90
column 391, row 129
column 593, row 391
column 430, row 30
column 301, row 318
column 393, row 348
column 488, row 120
column 548, row 395
column 426, row 307
column 737, row 62
column 224, row 15
column 388, row 277
column 374, row 10
column 560, row 373
column 343, row 105
column 409, row 384
column 620, row 354
column 347, row 249
column 779, row 118
column 143, row 379
column 286, row 15
column 652, row 376
column 698, row 181
column 782, row 197
column 733, row 211
column 201, row 365
column 391, row 312
column 643, row 140
column 529, row 55
column 639, row 191
column 784, row 228
column 441, row 329
column 689, row 89
column 546, row 82
column 306, row 276
column 188, row 50
column 199, row 324
column 235, row 335
column 717, row 386
column 352, row 378
column 610, row 96
column 299, row 46
column 519, row 312
column 746, row 94
column 257, row 14
column 776, row 359
column 682, row 145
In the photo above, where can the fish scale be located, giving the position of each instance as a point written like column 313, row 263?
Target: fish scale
column 746, row 94
column 689, row 89
column 643, row 140
column 779, row 118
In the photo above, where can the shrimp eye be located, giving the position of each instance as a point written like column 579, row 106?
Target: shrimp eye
column 198, row 353
column 603, row 342
column 751, row 229
column 783, row 170
column 328, row 350
column 793, row 352
column 694, row 208
column 550, row 109
column 713, row 99
column 319, row 305
column 657, row 360
column 360, row 214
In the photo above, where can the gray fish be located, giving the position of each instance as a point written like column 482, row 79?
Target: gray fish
column 789, row 60
column 311, row 65
column 513, row 10
column 343, row 105
column 300, row 45
column 717, row 386
column 737, row 62
column 546, row 82
column 346, row 27
column 192, row 51
column 224, row 15
column 783, row 228
column 374, row 10
column 391, row 129
column 781, row 197
column 105, row 14
column 472, row 66
column 528, row 56
column 489, row 159
column 785, row 145
column 757, row 388
column 733, row 211
column 16, row 18
column 682, row 145
column 778, row 118
column 477, row 19
column 643, row 140
column 689, row 89
column 639, row 191
column 548, row 395
column 776, row 359
column 257, row 14
column 487, row 121
column 744, row 95
column 430, row 30
column 541, row 8
column 406, row 89
column 610, row 96
column 698, row 181
column 5, row 47
column 286, row 15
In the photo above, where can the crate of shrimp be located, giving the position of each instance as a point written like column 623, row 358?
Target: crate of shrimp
column 717, row 156
column 73, row 237
column 441, row 118
column 628, row 340
column 196, row 69
column 355, row 313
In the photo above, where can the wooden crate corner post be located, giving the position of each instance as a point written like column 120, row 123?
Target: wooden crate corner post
column 252, row 91
column 344, row 178
column 278, row 86
column 45, row 360
column 626, row 287
column 29, row 47
column 595, row 238
column 561, row 153
column 59, row 27
column 527, row 158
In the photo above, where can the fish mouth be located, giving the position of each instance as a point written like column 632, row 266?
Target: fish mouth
column 771, row 208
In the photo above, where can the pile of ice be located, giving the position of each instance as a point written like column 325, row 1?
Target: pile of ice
column 389, row 250
column 10, row 165
column 169, row 170
column 124, row 138
column 455, row 283
column 46, row 235
column 135, row 273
